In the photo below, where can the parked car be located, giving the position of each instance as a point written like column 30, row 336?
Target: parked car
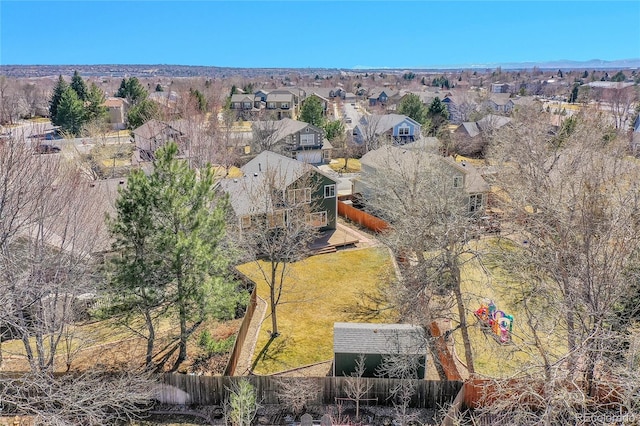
column 46, row 148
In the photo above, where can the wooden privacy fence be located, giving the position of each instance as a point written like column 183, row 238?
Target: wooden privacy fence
column 213, row 390
column 362, row 218
column 244, row 327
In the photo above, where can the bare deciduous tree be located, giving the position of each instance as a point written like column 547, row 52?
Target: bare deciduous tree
column 355, row 387
column 431, row 220
column 280, row 227
column 242, row 405
column 92, row 398
column 295, row 393
column 570, row 260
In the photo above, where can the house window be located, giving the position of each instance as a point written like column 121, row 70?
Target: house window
column 326, row 155
column 329, row 191
column 247, row 105
column 317, row 219
column 457, row 182
column 275, row 219
column 403, row 131
column 307, row 140
column 284, row 105
column 475, row 203
column 299, row 196
column 271, row 105
column 245, row 222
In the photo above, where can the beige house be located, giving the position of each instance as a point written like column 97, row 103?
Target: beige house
column 117, row 108
column 410, row 161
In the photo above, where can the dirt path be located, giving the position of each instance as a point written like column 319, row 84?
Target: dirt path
column 248, row 348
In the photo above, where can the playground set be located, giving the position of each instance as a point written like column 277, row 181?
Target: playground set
column 495, row 322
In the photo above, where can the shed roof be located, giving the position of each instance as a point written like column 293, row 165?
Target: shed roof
column 384, row 339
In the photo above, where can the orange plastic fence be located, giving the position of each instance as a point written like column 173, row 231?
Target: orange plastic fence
column 362, row 218
column 446, row 359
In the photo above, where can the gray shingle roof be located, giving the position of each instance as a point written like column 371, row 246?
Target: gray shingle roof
column 471, row 128
column 387, row 122
column 239, row 97
column 411, row 156
column 385, row 339
column 284, row 127
column 280, row 97
column 244, row 192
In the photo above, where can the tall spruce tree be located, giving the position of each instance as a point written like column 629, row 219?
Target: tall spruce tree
column 132, row 90
column 58, row 90
column 70, row 115
column 94, row 108
column 79, row 86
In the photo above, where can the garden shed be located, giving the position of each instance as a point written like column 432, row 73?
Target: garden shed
column 376, row 341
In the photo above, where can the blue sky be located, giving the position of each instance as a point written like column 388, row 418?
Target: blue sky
column 331, row 34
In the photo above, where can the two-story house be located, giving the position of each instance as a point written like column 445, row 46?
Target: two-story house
column 292, row 138
column 280, row 188
column 281, row 104
column 246, row 105
column 499, row 103
column 154, row 133
column 397, row 128
column 382, row 96
column 413, row 159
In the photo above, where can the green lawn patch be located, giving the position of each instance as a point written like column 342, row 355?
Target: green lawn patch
column 319, row 291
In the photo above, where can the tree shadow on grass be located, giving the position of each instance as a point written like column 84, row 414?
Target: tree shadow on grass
column 271, row 355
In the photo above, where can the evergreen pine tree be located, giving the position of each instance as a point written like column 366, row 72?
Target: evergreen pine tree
column 58, row 90
column 79, row 86
column 70, row 114
column 94, row 108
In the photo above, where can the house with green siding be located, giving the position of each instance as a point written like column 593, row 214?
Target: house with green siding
column 280, row 188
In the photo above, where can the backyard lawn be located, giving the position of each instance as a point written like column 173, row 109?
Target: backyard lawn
column 319, row 291
column 353, row 165
column 492, row 358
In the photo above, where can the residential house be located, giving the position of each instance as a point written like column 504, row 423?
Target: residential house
column 414, row 157
column 261, row 95
column 323, row 101
column 292, row 138
column 167, row 101
column 470, row 136
column 297, row 186
column 349, row 97
column 382, row 96
column 117, row 109
column 453, row 103
column 325, row 92
column 500, row 87
column 375, row 342
column 154, row 133
column 282, row 103
column 525, row 102
column 245, row 105
column 397, row 128
column 500, row 103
